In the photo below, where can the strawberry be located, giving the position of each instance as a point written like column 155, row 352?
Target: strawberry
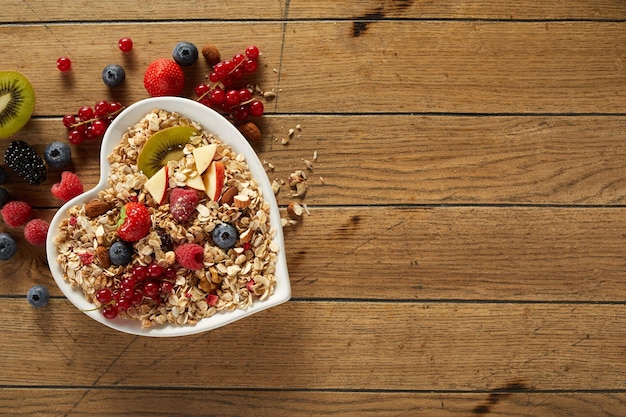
column 183, row 202
column 164, row 77
column 135, row 222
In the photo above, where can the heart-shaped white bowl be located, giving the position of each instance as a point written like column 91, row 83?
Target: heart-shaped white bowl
column 212, row 122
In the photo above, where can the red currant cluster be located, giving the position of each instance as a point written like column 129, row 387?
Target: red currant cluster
column 152, row 282
column 91, row 122
column 222, row 95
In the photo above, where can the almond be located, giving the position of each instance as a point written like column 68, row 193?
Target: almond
column 250, row 131
column 94, row 208
column 294, row 209
column 211, row 54
column 102, row 255
column 228, row 195
column 241, row 201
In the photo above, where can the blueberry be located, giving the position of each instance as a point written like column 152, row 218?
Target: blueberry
column 4, row 197
column 113, row 75
column 3, row 175
column 120, row 253
column 58, row 155
column 185, row 53
column 8, row 247
column 38, row 296
column 225, row 235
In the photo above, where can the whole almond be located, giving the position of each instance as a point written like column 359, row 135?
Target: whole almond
column 229, row 195
column 250, row 131
column 102, row 255
column 211, row 54
column 95, row 208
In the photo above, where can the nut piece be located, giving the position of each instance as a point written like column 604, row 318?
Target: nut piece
column 102, row 255
column 294, row 209
column 94, row 208
column 229, row 195
column 241, row 201
column 211, row 54
column 250, row 131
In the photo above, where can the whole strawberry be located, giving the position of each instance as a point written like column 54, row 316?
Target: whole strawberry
column 164, row 77
column 183, row 202
column 135, row 222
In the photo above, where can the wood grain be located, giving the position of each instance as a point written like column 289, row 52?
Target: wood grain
column 234, row 403
column 330, row 346
column 416, row 159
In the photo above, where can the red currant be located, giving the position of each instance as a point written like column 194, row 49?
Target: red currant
column 122, row 304
column 241, row 113
column 64, row 64
column 202, row 89
column 229, row 65
column 114, row 106
column 218, row 96
column 104, row 295
column 232, row 97
column 250, row 66
column 69, row 120
column 125, row 44
column 256, row 108
column 252, row 52
column 85, row 113
column 137, row 298
column 169, row 272
column 166, row 287
column 150, row 289
column 220, row 71
column 109, row 311
column 76, row 136
column 214, row 78
column 239, row 58
column 139, row 272
column 101, row 108
column 155, row 270
column 244, row 95
column 98, row 127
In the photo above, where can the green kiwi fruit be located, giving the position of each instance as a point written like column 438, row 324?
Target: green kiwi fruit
column 17, row 102
column 165, row 145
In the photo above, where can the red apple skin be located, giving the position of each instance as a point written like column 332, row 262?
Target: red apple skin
column 219, row 179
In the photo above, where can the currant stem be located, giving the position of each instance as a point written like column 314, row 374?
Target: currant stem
column 86, row 122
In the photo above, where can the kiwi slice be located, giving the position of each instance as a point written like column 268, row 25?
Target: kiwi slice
column 165, row 145
column 17, row 102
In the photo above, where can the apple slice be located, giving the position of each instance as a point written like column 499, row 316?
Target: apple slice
column 196, row 182
column 204, row 156
column 157, row 185
column 213, row 179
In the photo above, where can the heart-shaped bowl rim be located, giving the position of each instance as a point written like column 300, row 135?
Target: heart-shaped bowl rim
column 212, row 122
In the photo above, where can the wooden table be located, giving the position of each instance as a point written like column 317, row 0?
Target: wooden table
column 465, row 248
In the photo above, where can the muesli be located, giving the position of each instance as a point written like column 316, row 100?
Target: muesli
column 181, row 233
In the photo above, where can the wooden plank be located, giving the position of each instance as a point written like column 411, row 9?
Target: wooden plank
column 472, row 67
column 329, row 346
column 415, row 159
column 46, row 11
column 458, row 67
column 192, row 402
column 118, row 10
column 430, row 253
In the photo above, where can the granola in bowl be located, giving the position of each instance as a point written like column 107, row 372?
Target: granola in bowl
column 200, row 261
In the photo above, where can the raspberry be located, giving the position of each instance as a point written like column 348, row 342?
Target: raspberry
column 16, row 213
column 164, row 77
column 23, row 159
column 190, row 256
column 36, row 231
column 183, row 202
column 69, row 187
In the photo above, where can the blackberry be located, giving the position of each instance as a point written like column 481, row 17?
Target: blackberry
column 23, row 159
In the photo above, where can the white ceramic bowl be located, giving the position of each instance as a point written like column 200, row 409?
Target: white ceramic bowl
column 212, row 122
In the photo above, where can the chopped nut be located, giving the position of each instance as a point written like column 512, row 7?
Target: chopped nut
column 228, row 195
column 269, row 95
column 308, row 164
column 294, row 209
column 241, row 201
